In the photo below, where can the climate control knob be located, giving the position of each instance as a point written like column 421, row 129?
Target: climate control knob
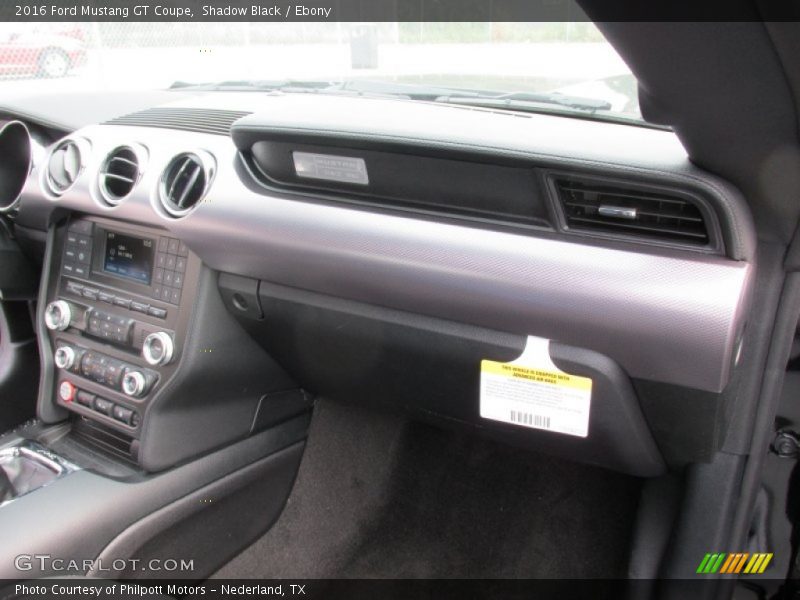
column 64, row 357
column 134, row 384
column 158, row 348
column 57, row 315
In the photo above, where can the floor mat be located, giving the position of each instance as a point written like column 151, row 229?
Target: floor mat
column 380, row 496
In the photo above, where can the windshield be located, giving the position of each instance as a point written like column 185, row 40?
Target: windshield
column 550, row 67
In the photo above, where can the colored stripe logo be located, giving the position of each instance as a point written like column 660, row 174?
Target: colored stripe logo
column 735, row 562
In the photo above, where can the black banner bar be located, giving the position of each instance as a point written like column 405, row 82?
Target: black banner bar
column 358, row 589
column 397, row 10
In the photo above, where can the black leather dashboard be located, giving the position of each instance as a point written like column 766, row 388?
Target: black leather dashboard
column 665, row 313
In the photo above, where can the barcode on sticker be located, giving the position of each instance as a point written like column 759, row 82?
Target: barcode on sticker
column 529, row 419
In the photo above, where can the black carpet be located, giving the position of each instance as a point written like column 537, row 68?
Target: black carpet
column 380, row 496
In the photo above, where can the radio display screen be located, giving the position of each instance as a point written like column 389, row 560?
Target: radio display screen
column 128, row 256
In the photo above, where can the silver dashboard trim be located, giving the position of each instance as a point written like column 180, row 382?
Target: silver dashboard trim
column 140, row 152
column 664, row 315
column 7, row 128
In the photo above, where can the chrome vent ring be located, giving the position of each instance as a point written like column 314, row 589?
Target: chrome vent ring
column 185, row 182
column 120, row 172
column 65, row 164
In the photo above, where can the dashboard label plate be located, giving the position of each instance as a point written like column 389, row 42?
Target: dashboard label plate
column 531, row 391
column 342, row 169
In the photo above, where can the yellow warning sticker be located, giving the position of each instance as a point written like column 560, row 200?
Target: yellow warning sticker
column 531, row 391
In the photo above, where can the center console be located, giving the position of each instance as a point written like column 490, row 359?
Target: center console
column 117, row 318
column 158, row 415
column 140, row 353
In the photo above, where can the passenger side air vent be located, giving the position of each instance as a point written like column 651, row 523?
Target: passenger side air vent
column 607, row 208
column 65, row 165
column 185, row 182
column 199, row 120
column 120, row 173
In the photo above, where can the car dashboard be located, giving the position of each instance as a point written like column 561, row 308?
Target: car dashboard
column 211, row 263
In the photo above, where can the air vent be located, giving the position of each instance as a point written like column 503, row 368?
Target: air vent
column 185, row 182
column 120, row 173
column 616, row 210
column 65, row 165
column 200, row 120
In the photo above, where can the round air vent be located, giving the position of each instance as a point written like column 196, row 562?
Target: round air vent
column 185, row 182
column 65, row 165
column 120, row 173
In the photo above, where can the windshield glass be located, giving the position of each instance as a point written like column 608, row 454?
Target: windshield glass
column 553, row 67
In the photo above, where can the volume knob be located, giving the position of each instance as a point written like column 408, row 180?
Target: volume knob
column 158, row 348
column 57, row 315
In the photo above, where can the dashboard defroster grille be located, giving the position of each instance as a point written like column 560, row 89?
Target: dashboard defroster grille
column 199, row 120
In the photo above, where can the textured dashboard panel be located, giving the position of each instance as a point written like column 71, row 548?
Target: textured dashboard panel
column 663, row 315
column 463, row 190
column 633, row 153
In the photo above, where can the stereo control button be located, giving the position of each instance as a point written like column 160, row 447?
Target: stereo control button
column 104, row 406
column 94, row 325
column 134, row 384
column 66, row 391
column 64, row 357
column 85, row 398
column 158, row 348
column 123, row 302
column 121, row 334
column 120, row 413
column 139, row 307
column 75, row 288
column 113, row 373
column 158, row 313
column 57, row 315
